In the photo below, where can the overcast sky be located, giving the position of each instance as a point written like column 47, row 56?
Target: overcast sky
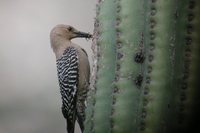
column 29, row 93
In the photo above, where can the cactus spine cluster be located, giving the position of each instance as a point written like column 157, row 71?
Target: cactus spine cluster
column 146, row 79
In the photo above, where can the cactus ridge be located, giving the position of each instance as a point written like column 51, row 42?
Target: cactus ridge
column 147, row 67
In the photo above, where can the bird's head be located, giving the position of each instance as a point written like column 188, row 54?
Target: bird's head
column 61, row 35
column 67, row 32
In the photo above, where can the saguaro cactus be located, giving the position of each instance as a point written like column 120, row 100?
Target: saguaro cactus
column 146, row 70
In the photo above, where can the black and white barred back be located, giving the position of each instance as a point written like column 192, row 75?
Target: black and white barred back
column 67, row 67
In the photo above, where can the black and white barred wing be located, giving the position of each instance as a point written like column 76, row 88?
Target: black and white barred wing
column 67, row 67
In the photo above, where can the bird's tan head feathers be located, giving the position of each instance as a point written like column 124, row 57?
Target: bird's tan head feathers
column 67, row 32
column 62, row 34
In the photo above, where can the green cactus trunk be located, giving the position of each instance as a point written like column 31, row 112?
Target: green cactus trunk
column 146, row 79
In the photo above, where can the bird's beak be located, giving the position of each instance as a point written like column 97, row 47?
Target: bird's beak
column 82, row 34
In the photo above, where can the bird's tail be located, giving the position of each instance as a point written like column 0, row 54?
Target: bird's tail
column 70, row 125
column 70, row 120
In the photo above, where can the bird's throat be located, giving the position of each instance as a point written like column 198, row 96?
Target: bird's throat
column 60, row 48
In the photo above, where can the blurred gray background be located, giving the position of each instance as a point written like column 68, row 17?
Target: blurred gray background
column 29, row 94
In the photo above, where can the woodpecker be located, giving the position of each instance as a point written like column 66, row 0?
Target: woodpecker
column 73, row 73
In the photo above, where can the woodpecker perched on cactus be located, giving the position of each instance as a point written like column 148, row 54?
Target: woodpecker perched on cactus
column 73, row 73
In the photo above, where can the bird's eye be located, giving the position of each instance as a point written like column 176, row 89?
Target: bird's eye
column 70, row 28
